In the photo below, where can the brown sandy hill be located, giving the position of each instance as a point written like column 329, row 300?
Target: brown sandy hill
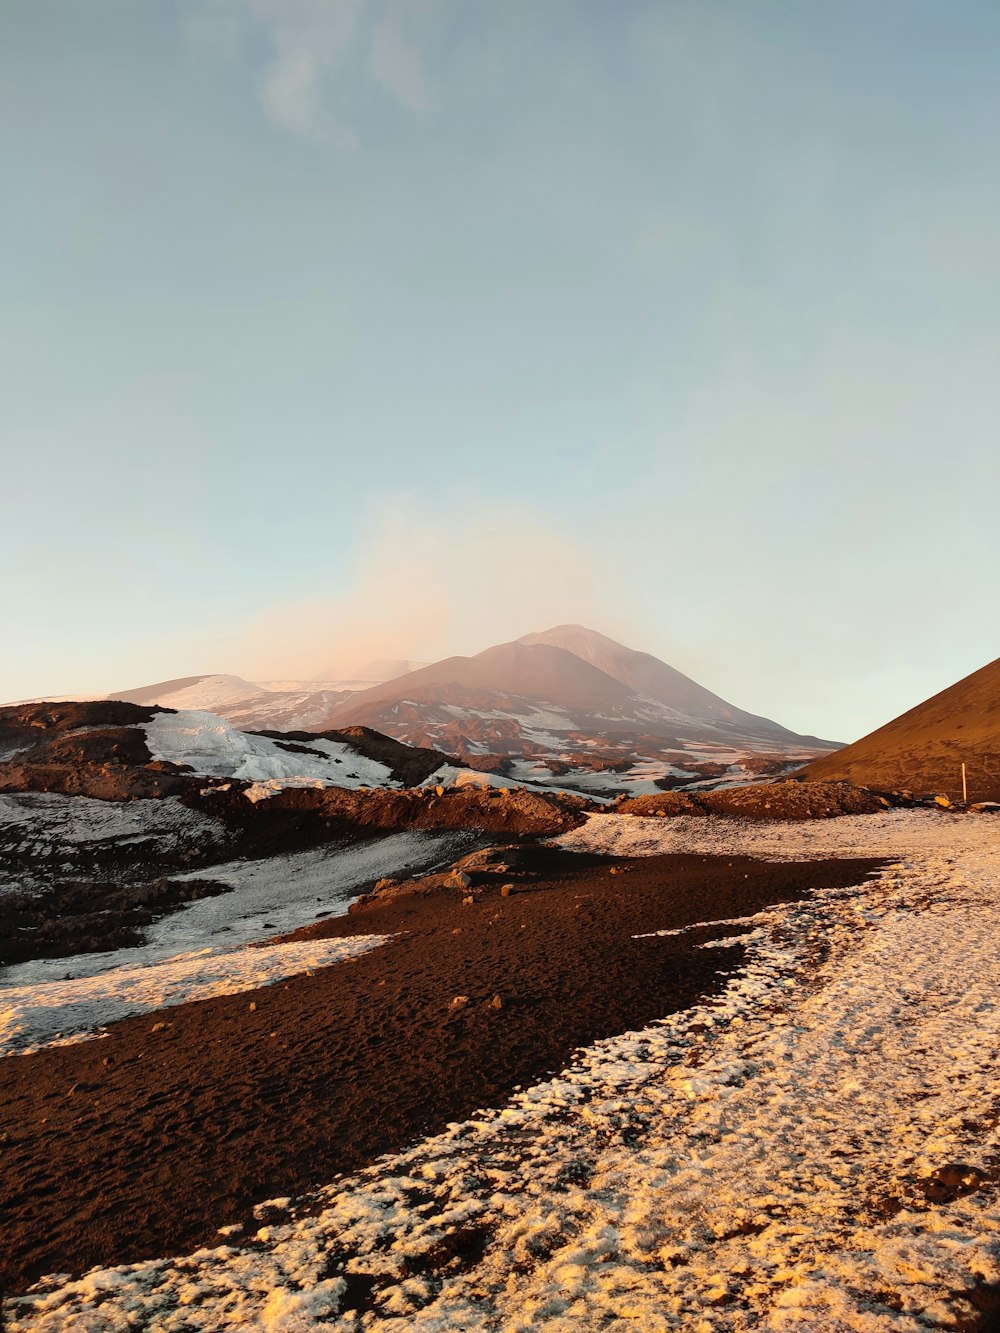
column 922, row 751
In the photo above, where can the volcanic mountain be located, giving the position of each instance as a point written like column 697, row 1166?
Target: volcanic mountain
column 566, row 693
column 647, row 676
column 286, row 705
column 565, row 706
column 923, row 750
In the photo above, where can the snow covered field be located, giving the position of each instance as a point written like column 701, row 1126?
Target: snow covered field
column 59, row 1012
column 269, row 897
column 815, row 1149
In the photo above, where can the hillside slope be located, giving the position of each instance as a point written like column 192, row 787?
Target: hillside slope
column 923, row 750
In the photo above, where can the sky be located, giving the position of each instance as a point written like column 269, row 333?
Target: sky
column 333, row 329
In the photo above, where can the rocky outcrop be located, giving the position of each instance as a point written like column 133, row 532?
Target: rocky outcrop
column 96, row 748
column 336, row 812
column 763, row 801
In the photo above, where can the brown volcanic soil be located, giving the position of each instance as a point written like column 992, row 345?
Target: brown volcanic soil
column 143, row 1144
column 922, row 751
column 762, row 801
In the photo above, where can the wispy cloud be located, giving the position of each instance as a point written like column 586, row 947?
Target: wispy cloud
column 314, row 46
column 290, row 91
column 395, row 61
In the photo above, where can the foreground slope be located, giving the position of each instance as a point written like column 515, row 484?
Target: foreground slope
column 923, row 750
column 812, row 1146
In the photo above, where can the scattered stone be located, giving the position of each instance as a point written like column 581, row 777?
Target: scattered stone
column 459, row 1001
column 506, row 890
column 496, row 1002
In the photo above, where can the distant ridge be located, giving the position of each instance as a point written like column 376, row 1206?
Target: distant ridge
column 562, row 703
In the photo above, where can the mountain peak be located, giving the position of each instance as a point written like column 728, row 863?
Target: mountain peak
column 579, row 639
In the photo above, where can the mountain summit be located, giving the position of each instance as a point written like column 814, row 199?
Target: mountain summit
column 562, row 693
column 646, row 675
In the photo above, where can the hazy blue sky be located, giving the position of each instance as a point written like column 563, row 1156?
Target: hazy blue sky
column 337, row 325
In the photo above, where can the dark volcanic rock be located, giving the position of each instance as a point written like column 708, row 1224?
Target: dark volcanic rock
column 312, row 815
column 94, row 748
column 74, row 918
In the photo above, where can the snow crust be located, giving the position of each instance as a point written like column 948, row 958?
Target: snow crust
column 46, row 835
column 44, row 818
column 758, row 1162
column 268, row 897
column 59, row 1012
column 214, row 748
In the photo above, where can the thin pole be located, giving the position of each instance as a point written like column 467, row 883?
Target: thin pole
column 965, row 790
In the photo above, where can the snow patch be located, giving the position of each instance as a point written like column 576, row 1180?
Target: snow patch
column 269, row 897
column 214, row 748
column 60, row 1012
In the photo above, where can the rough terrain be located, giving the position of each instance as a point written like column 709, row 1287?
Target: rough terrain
column 813, row 1145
